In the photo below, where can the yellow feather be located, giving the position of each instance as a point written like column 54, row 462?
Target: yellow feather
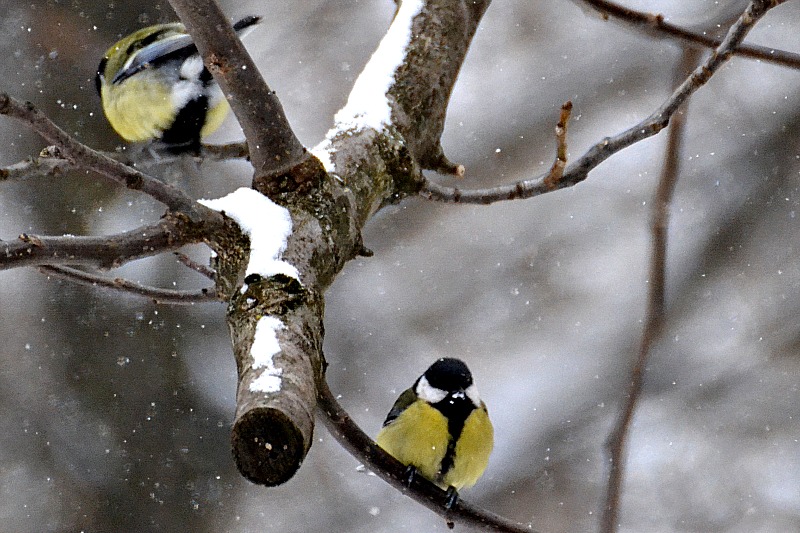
column 417, row 437
column 472, row 450
column 142, row 110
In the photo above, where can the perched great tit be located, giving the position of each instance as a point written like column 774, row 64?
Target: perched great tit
column 440, row 428
column 154, row 86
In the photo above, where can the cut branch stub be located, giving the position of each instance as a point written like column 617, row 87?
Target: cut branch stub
column 274, row 420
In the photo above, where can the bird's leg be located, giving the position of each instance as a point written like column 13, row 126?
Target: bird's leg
column 452, row 497
column 409, row 475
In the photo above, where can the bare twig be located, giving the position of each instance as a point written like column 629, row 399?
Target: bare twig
column 197, row 267
column 49, row 164
column 224, row 152
column 156, row 294
column 84, row 157
column 36, row 167
column 616, row 443
column 658, row 120
column 654, row 24
column 557, row 170
column 363, row 448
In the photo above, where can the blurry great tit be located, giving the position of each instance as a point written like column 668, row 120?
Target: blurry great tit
column 154, row 86
column 440, row 428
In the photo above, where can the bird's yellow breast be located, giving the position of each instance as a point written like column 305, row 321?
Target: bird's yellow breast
column 419, row 437
column 146, row 107
column 141, row 110
column 472, row 450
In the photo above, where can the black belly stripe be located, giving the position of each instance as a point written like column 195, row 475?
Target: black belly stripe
column 456, row 410
column 185, row 129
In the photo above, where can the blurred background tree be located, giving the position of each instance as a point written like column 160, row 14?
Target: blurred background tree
column 117, row 410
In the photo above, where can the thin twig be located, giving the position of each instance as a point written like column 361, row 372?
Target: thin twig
column 658, row 120
column 118, row 284
column 197, row 267
column 616, row 444
column 36, row 167
column 224, row 152
column 654, row 24
column 48, row 164
column 557, row 170
column 360, row 446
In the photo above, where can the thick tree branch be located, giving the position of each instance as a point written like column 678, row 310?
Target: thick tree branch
column 657, row 121
column 373, row 166
column 341, row 425
column 274, row 148
column 655, row 25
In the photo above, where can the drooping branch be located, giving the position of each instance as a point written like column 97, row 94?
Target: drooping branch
column 341, row 425
column 655, row 25
column 653, row 124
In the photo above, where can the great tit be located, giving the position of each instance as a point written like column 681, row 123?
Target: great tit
column 154, row 86
column 440, row 428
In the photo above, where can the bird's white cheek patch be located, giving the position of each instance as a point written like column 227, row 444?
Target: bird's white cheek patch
column 472, row 394
column 428, row 392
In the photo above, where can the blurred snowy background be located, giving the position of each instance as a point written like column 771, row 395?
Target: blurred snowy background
column 116, row 412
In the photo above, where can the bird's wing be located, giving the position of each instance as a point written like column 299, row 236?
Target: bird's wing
column 405, row 399
column 175, row 46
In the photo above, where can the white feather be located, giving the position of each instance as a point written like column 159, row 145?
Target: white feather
column 428, row 392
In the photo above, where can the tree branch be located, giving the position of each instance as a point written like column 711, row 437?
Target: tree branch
column 197, row 267
column 49, row 163
column 374, row 166
column 655, row 25
column 658, row 120
column 419, row 109
column 108, row 251
column 341, row 425
column 158, row 295
column 84, row 157
column 616, row 443
column 557, row 170
column 274, row 148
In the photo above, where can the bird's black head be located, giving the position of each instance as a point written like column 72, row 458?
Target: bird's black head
column 449, row 374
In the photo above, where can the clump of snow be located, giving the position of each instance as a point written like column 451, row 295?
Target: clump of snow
column 265, row 346
column 267, row 224
column 368, row 106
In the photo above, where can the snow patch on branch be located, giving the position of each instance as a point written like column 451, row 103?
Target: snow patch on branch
column 265, row 346
column 268, row 226
column 368, row 105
